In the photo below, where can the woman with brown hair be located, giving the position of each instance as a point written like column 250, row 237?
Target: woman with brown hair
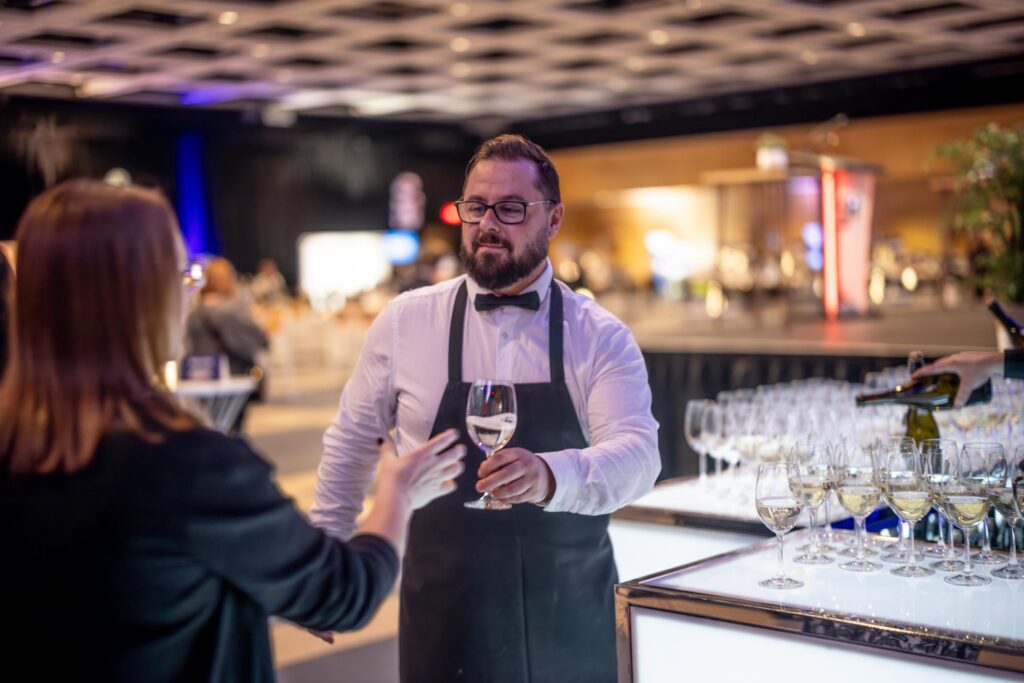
column 136, row 545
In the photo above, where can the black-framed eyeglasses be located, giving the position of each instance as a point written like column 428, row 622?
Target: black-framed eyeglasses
column 509, row 211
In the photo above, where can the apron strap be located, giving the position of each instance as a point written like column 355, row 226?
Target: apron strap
column 555, row 334
column 456, row 333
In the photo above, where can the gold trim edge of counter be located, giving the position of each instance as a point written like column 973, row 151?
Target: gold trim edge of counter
column 1003, row 654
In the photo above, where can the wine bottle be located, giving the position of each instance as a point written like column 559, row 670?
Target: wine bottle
column 1013, row 330
column 935, row 392
column 920, row 422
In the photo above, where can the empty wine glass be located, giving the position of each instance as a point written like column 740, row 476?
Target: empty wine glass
column 778, row 507
column 858, row 489
column 491, row 422
column 905, row 489
column 693, row 430
column 967, row 503
column 1004, row 472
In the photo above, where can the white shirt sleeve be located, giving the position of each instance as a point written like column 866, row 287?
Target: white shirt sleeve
column 366, row 413
column 622, row 462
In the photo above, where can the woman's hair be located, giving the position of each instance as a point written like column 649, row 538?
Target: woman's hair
column 98, row 281
column 221, row 278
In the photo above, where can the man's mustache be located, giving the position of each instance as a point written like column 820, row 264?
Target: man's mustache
column 492, row 240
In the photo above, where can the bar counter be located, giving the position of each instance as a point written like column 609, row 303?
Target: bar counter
column 710, row 619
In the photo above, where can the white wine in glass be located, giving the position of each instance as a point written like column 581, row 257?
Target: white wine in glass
column 491, row 422
column 778, row 507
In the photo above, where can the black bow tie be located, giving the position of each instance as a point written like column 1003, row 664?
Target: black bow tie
column 488, row 302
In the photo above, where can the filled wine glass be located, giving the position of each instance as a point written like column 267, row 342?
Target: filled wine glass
column 778, row 507
column 938, row 549
column 942, row 457
column 1004, row 472
column 491, row 422
column 990, row 449
column 905, row 489
column 858, row 490
column 813, row 482
column 967, row 504
column 901, row 448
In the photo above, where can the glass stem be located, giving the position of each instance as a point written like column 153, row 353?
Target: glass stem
column 913, row 558
column 860, row 539
column 828, row 519
column 702, row 464
column 967, row 552
column 1013, row 543
column 781, row 574
column 986, row 547
column 951, row 550
column 901, row 528
column 942, row 539
column 718, row 466
column 815, row 545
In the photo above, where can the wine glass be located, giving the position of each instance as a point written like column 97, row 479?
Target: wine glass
column 942, row 457
column 928, row 448
column 813, row 482
column 859, row 491
column 985, row 555
column 905, row 489
column 1004, row 473
column 693, row 430
column 778, row 507
column 491, row 422
column 898, row 447
column 967, row 504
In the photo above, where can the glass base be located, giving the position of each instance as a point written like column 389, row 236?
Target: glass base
column 968, row 580
column 936, row 551
column 822, row 547
column 948, row 565
column 780, row 583
column 990, row 557
column 852, row 552
column 860, row 566
column 813, row 558
column 912, row 571
column 487, row 503
column 900, row 556
column 1010, row 571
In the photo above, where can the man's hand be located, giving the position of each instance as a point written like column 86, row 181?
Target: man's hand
column 515, row 475
column 973, row 367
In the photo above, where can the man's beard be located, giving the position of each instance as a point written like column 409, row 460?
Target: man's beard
column 496, row 271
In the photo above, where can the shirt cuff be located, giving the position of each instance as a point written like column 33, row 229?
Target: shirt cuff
column 566, row 480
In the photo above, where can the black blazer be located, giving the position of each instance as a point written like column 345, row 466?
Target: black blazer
column 161, row 562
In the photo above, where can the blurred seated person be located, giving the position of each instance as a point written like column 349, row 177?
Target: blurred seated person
column 268, row 286
column 136, row 545
column 975, row 367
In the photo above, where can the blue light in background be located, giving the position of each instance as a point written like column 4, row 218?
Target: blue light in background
column 401, row 247
column 193, row 214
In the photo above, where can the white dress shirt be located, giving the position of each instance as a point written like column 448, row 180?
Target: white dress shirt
column 403, row 369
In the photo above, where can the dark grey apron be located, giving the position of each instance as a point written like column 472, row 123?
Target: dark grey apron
column 516, row 596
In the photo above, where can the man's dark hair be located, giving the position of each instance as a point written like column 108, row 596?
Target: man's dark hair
column 508, row 147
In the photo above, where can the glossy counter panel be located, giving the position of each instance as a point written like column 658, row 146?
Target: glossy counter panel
column 922, row 618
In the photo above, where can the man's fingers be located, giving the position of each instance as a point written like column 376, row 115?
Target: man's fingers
column 496, row 462
column 387, row 448
column 513, row 489
column 503, row 476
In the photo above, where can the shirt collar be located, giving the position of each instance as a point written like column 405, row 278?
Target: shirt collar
column 542, row 285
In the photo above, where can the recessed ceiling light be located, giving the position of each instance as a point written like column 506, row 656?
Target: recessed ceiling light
column 658, row 37
column 460, row 44
column 461, row 69
column 636, row 64
column 459, row 9
column 856, row 29
column 809, row 57
column 227, row 18
column 260, row 51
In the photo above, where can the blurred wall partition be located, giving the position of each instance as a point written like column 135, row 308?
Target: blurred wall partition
column 263, row 187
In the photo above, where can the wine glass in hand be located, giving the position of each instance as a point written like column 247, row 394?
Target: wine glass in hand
column 778, row 507
column 491, row 422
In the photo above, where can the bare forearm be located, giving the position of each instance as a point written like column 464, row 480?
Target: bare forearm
column 389, row 519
